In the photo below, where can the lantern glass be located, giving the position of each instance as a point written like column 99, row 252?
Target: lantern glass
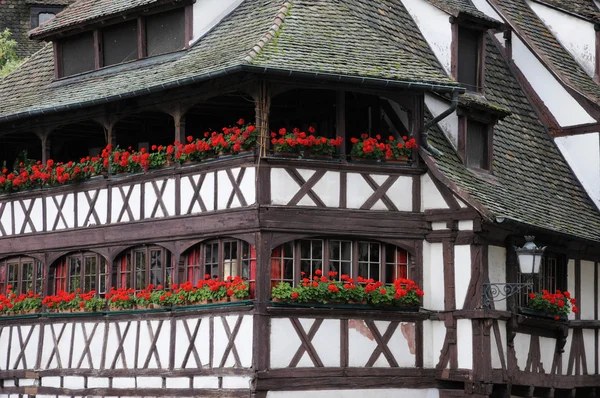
column 530, row 257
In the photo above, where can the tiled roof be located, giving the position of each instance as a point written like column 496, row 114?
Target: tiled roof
column 87, row 10
column 16, row 16
column 49, row 2
column 344, row 37
column 354, row 37
column 532, row 182
column 527, row 23
column 456, row 7
column 584, row 8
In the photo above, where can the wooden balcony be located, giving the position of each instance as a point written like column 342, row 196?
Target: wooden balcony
column 237, row 194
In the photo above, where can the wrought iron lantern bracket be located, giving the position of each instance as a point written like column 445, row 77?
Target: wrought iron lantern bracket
column 493, row 292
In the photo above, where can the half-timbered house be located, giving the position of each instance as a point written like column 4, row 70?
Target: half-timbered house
column 502, row 99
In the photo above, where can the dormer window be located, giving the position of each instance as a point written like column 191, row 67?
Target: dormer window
column 147, row 36
column 477, row 149
column 468, row 63
column 475, row 141
column 39, row 15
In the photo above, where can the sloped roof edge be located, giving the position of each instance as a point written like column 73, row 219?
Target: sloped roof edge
column 543, row 59
column 356, row 80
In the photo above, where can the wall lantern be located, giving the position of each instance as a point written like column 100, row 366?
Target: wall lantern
column 530, row 259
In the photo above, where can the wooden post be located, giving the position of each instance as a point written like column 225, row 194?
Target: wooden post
column 261, row 333
column 179, row 119
column 262, row 102
column 340, row 119
column 45, row 148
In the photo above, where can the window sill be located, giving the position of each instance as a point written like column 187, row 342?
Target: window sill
column 542, row 326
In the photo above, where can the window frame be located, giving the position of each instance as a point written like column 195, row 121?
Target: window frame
column 326, row 258
column 34, row 14
column 19, row 261
column 560, row 277
column 65, row 279
column 130, row 273
column 481, row 51
column 141, row 39
column 199, row 251
column 463, row 121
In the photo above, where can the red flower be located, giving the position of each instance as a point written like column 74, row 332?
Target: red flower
column 190, row 138
column 318, row 272
column 575, row 309
column 240, row 122
column 532, row 296
column 556, row 318
column 382, row 291
column 294, row 295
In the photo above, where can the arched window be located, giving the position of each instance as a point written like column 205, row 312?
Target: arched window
column 45, row 16
column 24, row 274
column 82, row 270
column 292, row 261
column 222, row 258
column 144, row 265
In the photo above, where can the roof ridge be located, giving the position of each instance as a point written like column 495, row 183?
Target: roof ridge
column 272, row 32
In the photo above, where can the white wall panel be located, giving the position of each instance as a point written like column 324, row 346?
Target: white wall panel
column 431, row 198
column 576, row 35
column 462, row 272
column 497, row 270
column 565, row 108
column 464, row 332
column 435, row 26
column 433, row 276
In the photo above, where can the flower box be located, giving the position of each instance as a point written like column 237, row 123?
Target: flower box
column 540, row 314
column 348, row 306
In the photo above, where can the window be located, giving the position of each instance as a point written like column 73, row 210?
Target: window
column 552, row 277
column 221, row 258
column 346, row 257
column 470, row 58
column 39, row 15
column 118, row 43
column 85, row 270
column 77, row 54
column 24, row 274
column 477, row 145
column 282, row 264
column 145, row 265
column 475, row 139
column 165, row 32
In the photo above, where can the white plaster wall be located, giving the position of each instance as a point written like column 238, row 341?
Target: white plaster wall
column 521, row 344
column 433, row 276
column 464, row 333
column 585, row 302
column 582, row 152
column 496, row 363
column 449, row 125
column 547, row 349
column 571, row 282
column 589, row 347
column 566, row 353
column 327, row 343
column 328, row 189
column 565, row 108
column 380, row 393
column 83, row 207
column 497, row 270
column 576, row 35
column 284, row 342
column 435, row 26
column 484, row 7
column 6, row 219
column 465, row 225
column 462, row 272
column 434, row 333
column 208, row 13
column 430, row 196
column 437, row 226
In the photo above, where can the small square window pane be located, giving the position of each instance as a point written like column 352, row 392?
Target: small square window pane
column 477, row 145
column 120, row 43
column 165, row 32
column 78, row 54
